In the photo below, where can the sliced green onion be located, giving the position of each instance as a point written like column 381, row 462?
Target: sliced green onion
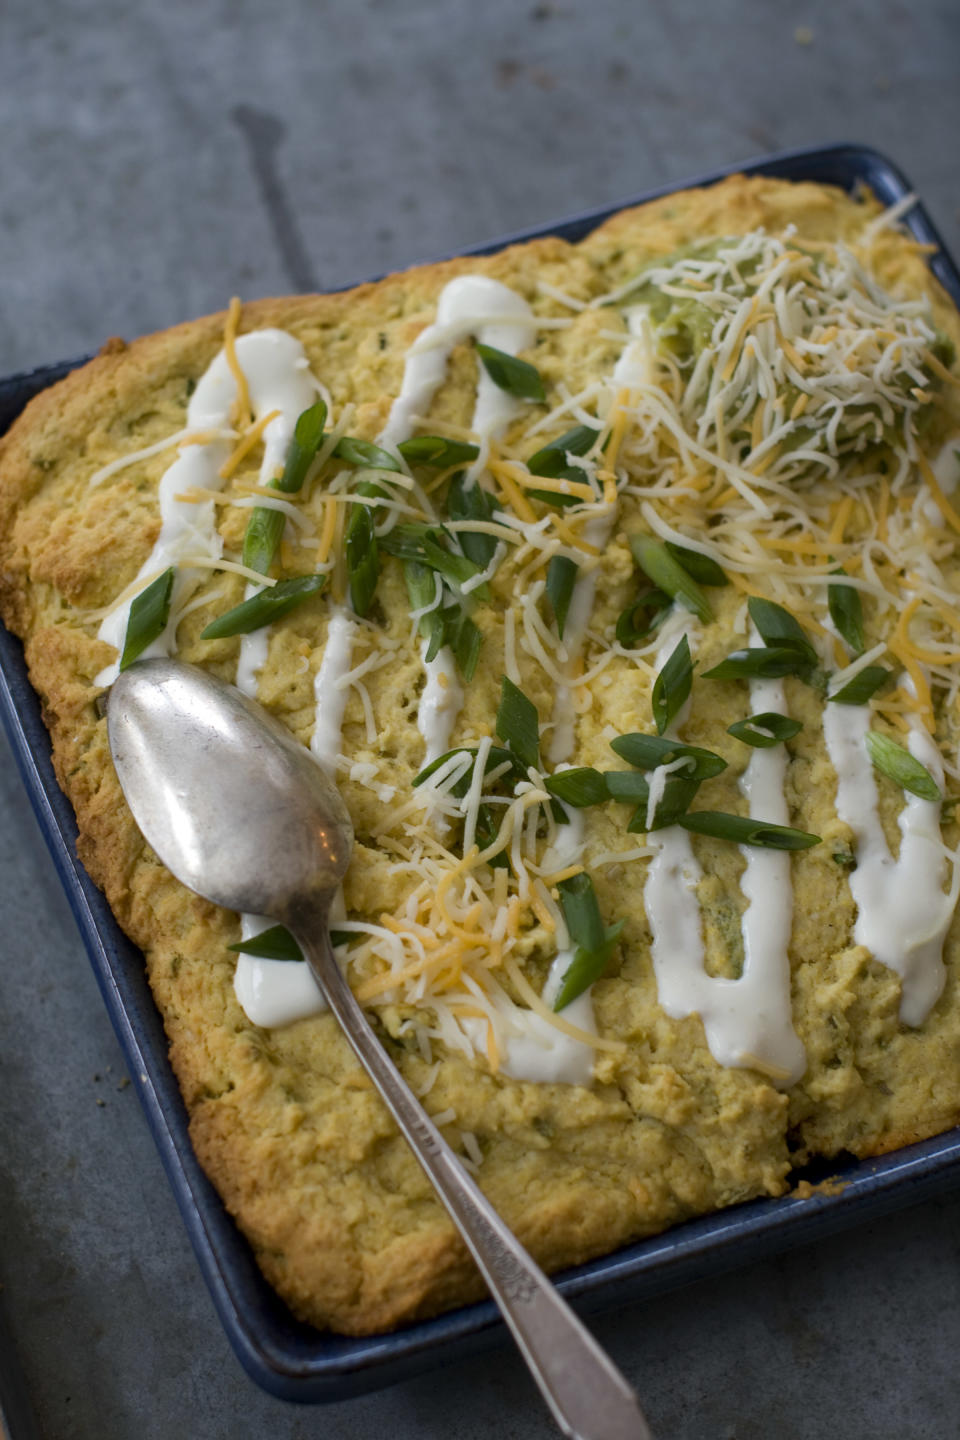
column 633, row 787
column 422, row 543
column 486, row 831
column 307, row 439
column 893, row 760
column 671, row 689
column 471, row 502
column 846, row 612
column 361, row 549
column 779, row 629
column 765, row 730
column 268, row 605
column 422, row 591
column 594, row 941
column 862, row 687
column 647, row 752
column 466, row 641
column 274, row 944
column 262, row 536
column 642, row 617
column 746, row 831
column 551, row 462
column 701, row 567
column 518, row 724
column 578, row 787
column 278, row 944
column 669, row 575
column 518, row 377
column 443, row 624
column 766, row 664
column 148, row 617
column 561, row 578
column 437, row 452
column 265, row 526
column 496, row 757
column 362, row 452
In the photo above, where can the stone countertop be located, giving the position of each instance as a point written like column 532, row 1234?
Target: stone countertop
column 162, row 158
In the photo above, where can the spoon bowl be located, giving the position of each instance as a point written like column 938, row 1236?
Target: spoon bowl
column 228, row 799
column 242, row 814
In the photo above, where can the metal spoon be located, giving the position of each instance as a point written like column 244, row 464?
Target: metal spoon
column 241, row 813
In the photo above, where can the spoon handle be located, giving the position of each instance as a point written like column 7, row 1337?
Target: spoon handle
column 589, row 1398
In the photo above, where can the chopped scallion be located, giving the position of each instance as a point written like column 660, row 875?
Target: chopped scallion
column 779, row 630
column 471, row 502
column 641, row 618
column 364, row 453
column 148, row 618
column 437, row 452
column 307, row 439
column 768, row 663
column 594, row 941
column 647, row 752
column 633, row 787
column 746, row 831
column 894, row 761
column 765, row 730
column 578, row 787
column 667, row 574
column 561, row 578
column 265, row 526
column 268, row 605
column 671, row 689
column 846, row 612
column 518, row 377
column 862, row 687
column 701, row 567
column 518, row 724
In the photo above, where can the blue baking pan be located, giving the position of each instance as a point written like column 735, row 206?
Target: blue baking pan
column 292, row 1360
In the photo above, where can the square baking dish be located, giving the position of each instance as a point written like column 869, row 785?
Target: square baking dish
column 294, row 1361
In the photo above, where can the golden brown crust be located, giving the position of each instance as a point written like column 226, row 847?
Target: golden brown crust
column 342, row 1221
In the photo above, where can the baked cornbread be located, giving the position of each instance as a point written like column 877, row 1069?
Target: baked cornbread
column 759, row 374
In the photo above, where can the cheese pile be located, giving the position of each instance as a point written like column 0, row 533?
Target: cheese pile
column 769, row 407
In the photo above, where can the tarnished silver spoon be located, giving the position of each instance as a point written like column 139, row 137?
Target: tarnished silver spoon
column 242, row 814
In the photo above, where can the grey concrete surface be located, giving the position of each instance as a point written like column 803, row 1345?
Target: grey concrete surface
column 159, row 158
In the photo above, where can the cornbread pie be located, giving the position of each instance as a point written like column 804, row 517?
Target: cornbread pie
column 616, row 583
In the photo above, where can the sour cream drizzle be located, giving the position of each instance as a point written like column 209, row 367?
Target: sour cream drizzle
column 903, row 912
column 747, row 1021
column 440, row 703
column 278, row 377
column 495, row 315
column 533, row 1049
column 634, row 367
